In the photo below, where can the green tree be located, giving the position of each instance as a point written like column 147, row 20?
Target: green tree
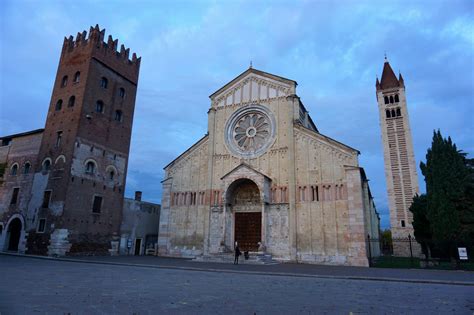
column 421, row 224
column 449, row 186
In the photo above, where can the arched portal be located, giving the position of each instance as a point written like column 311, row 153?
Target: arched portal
column 244, row 199
column 13, row 234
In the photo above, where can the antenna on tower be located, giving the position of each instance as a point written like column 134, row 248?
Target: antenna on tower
column 250, row 64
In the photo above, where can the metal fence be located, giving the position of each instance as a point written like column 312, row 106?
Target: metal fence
column 409, row 253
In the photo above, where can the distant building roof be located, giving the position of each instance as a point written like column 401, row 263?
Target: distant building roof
column 22, row 134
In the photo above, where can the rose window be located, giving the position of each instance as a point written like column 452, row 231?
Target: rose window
column 250, row 131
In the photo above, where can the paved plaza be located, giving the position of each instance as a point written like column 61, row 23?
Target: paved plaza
column 29, row 286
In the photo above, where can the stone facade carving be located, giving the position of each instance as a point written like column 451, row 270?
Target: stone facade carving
column 264, row 169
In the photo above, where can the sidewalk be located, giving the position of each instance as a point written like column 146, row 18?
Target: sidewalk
column 284, row 269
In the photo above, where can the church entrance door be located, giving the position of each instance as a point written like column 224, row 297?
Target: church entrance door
column 248, row 230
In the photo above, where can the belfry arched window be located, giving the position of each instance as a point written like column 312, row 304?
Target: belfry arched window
column 90, row 167
column 71, row 101
column 14, row 170
column 77, row 77
column 26, row 168
column 391, row 99
column 386, row 99
column 104, row 82
column 398, row 112
column 59, row 105
column 64, row 81
column 393, row 113
column 387, row 113
column 99, row 107
column 396, row 98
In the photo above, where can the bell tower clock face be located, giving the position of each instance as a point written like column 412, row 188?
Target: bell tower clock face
column 250, row 131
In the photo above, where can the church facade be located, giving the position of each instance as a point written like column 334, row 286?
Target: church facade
column 264, row 177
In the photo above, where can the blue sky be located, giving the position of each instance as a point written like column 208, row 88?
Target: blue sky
column 333, row 49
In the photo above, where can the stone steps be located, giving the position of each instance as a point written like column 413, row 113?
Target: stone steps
column 255, row 258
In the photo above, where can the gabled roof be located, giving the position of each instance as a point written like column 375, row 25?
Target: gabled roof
column 188, row 150
column 259, row 72
column 246, row 166
column 389, row 79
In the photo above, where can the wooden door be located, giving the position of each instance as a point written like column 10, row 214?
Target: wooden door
column 248, row 230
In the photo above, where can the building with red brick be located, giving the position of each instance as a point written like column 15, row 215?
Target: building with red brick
column 62, row 187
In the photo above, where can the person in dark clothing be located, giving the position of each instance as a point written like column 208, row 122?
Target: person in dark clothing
column 237, row 254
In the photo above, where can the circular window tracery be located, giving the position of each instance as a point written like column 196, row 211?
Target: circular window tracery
column 250, row 131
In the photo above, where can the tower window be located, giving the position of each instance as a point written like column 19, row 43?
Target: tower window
column 111, row 175
column 97, row 204
column 396, row 98
column 64, row 81
column 398, row 112
column 46, row 165
column 104, row 82
column 402, row 222
column 387, row 113
column 90, row 167
column 99, row 107
column 14, row 199
column 391, row 99
column 41, row 226
column 46, row 199
column 26, row 168
column 59, row 105
column 386, row 99
column 14, row 170
column 122, row 92
column 77, row 77
column 393, row 113
column 71, row 101
column 59, row 136
column 118, row 115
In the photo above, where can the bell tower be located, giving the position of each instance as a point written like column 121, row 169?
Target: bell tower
column 82, row 161
column 399, row 160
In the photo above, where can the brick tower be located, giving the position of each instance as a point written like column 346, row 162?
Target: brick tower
column 82, row 162
column 399, row 159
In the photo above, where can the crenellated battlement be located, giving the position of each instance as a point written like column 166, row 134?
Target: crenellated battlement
column 96, row 40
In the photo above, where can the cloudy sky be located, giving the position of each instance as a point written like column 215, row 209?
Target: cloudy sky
column 333, row 49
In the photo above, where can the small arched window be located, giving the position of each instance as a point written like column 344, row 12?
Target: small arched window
column 71, row 102
column 393, row 113
column 104, row 82
column 387, row 113
column 99, row 107
column 118, row 115
column 398, row 112
column 111, row 175
column 90, row 167
column 46, row 165
column 386, row 99
column 14, row 169
column 391, row 99
column 59, row 105
column 396, row 98
column 122, row 92
column 26, row 168
column 64, row 81
column 77, row 77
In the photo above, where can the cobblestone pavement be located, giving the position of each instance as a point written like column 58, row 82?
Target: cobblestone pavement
column 29, row 286
column 295, row 269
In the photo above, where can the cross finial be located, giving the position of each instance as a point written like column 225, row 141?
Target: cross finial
column 250, row 64
column 385, row 55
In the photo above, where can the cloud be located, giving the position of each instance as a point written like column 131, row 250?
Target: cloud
column 190, row 49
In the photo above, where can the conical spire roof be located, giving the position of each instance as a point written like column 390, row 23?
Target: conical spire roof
column 389, row 79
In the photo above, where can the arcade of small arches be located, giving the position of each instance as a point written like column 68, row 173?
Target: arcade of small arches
column 391, row 99
column 392, row 113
